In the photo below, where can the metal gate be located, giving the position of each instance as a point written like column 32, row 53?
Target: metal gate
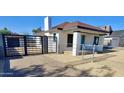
column 33, row 45
column 49, row 44
column 20, row 45
column 52, row 44
column 13, row 45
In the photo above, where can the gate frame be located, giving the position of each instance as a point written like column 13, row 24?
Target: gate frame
column 25, row 44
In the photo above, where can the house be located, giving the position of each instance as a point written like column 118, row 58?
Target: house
column 116, row 39
column 71, row 35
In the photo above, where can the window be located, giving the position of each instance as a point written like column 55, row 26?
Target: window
column 69, row 40
column 96, row 40
column 13, row 42
column 82, row 41
column 54, row 37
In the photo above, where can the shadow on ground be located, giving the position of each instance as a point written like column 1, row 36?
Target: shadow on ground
column 44, row 70
column 50, row 70
column 88, row 60
column 40, row 71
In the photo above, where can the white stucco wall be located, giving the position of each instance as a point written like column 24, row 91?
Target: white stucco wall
column 89, row 39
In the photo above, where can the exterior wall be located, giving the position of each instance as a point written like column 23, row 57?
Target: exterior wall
column 115, row 41
column 121, row 42
column 1, row 47
column 89, row 39
column 48, row 34
column 107, row 41
column 62, row 41
column 101, row 43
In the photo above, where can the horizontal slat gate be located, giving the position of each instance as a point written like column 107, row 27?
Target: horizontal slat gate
column 34, row 44
column 20, row 45
column 52, row 44
column 10, row 50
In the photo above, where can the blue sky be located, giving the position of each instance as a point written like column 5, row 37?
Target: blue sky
column 25, row 24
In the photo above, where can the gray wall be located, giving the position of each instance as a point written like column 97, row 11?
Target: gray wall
column 1, row 47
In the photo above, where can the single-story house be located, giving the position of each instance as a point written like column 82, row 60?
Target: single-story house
column 71, row 35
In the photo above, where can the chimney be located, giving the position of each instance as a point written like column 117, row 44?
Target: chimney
column 47, row 23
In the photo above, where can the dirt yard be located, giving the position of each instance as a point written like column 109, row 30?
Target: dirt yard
column 107, row 64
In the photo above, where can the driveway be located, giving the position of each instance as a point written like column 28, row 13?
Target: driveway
column 110, row 63
column 37, row 66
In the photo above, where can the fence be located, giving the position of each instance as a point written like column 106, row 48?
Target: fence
column 89, row 49
column 20, row 45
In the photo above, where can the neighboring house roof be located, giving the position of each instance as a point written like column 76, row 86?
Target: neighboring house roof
column 67, row 25
column 117, row 33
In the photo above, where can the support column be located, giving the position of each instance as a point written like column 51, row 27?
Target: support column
column 76, row 43
column 58, row 42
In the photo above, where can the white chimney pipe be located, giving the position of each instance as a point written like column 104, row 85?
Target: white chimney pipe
column 47, row 23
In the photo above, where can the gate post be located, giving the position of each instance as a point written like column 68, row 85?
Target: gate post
column 25, row 45
column 2, row 46
column 45, row 44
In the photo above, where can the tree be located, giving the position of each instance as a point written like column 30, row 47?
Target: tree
column 5, row 31
column 36, row 30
